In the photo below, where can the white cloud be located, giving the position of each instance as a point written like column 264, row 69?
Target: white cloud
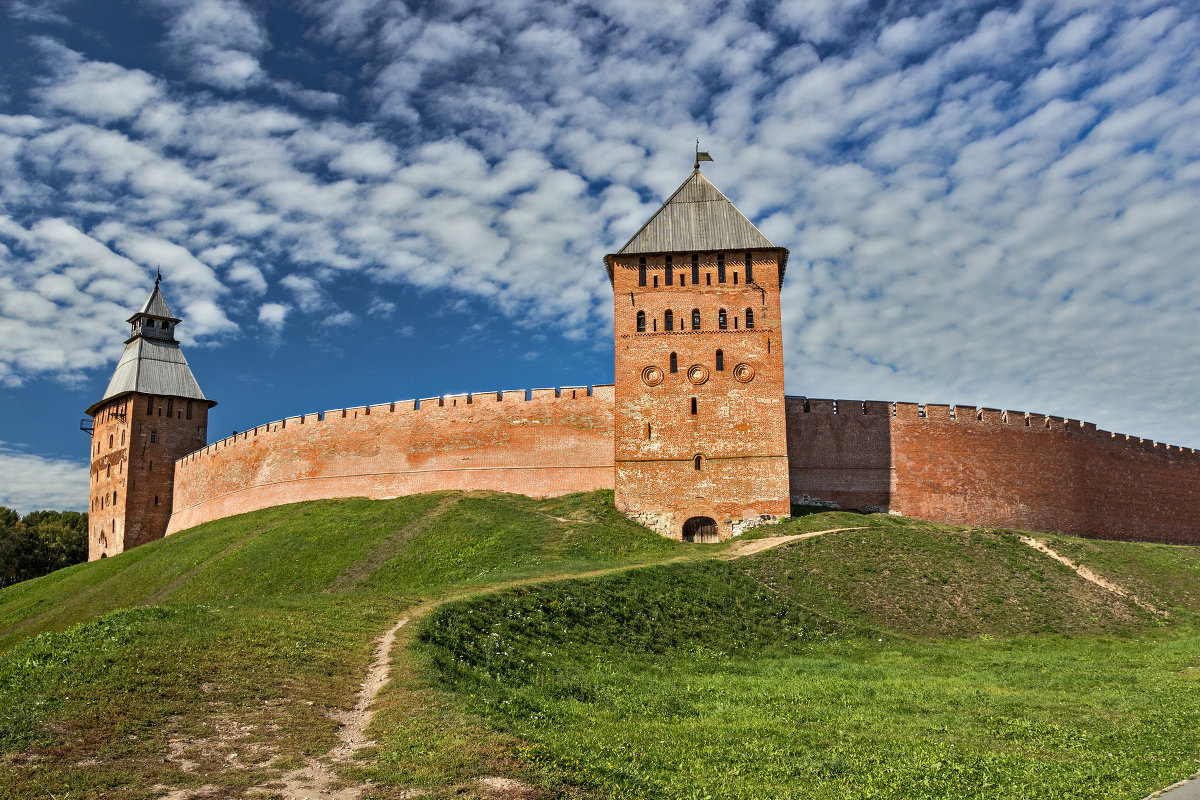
column 217, row 40
column 365, row 158
column 31, row 482
column 96, row 90
column 306, row 290
column 273, row 315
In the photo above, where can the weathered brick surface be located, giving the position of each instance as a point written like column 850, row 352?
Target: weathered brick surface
column 738, row 428
column 842, row 457
column 544, row 446
column 136, row 439
column 989, row 467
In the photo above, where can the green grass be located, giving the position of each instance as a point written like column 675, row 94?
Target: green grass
column 558, row 643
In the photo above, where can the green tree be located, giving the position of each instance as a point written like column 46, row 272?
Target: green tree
column 40, row 543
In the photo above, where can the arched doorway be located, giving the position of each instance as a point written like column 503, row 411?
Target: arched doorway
column 700, row 529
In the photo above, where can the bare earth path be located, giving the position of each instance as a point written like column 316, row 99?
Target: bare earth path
column 1089, row 575
column 752, row 546
column 316, row 779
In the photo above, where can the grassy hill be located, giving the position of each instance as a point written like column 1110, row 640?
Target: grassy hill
column 559, row 645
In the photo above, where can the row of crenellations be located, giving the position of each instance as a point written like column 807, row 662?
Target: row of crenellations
column 957, row 413
column 463, row 400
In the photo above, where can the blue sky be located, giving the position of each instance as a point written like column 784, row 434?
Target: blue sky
column 361, row 201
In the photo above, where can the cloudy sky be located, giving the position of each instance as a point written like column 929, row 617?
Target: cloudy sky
column 357, row 201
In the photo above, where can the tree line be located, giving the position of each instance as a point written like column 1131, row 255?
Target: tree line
column 39, row 543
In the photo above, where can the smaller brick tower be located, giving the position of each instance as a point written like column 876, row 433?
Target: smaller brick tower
column 700, row 442
column 152, row 413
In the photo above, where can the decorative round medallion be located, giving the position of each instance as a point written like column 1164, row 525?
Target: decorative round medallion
column 697, row 373
column 652, row 376
column 743, row 372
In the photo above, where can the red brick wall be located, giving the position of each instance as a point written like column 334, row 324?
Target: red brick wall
column 844, row 457
column 547, row 445
column 147, row 434
column 738, row 430
column 1005, row 469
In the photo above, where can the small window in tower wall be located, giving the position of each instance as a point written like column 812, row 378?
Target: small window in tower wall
column 641, row 321
column 693, row 406
column 114, row 498
column 647, row 430
column 170, row 405
column 642, row 273
column 674, row 363
column 749, row 269
column 122, row 438
column 668, row 321
column 670, row 272
column 110, row 441
column 696, row 462
column 695, row 319
column 155, row 499
column 722, row 320
column 154, row 436
column 149, row 406
column 695, row 270
column 720, row 268
column 749, row 317
column 720, row 360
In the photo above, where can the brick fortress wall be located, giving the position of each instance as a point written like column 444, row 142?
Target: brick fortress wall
column 989, row 467
column 555, row 442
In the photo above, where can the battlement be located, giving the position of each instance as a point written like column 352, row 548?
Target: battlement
column 975, row 416
column 602, row 393
column 536, row 442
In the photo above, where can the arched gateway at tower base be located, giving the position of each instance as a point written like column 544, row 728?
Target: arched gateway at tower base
column 695, row 436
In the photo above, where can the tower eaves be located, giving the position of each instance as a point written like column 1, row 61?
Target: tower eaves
column 696, row 218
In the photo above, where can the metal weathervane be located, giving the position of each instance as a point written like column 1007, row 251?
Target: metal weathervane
column 701, row 156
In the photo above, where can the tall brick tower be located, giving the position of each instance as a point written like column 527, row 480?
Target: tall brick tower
column 701, row 450
column 152, row 413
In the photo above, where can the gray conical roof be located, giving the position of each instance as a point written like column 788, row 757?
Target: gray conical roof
column 696, row 218
column 155, row 306
column 152, row 362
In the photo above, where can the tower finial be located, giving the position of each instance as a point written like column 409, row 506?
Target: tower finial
column 700, row 156
column 158, row 280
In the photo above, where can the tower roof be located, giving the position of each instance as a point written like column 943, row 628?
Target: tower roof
column 697, row 217
column 152, row 362
column 155, row 306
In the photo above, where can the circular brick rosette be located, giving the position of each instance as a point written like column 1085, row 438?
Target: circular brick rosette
column 743, row 372
column 652, row 376
column 697, row 374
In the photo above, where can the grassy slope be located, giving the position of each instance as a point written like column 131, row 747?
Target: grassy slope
column 905, row 660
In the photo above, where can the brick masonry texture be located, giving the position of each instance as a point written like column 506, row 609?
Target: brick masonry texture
column 135, row 443
column 737, row 430
column 555, row 442
column 965, row 465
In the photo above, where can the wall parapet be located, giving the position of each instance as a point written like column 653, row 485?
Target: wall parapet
column 977, row 416
column 464, row 400
column 978, row 465
column 537, row 442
